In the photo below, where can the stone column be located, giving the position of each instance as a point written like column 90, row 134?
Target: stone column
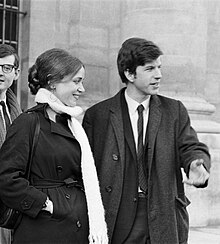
column 93, row 34
column 212, row 88
column 180, row 29
column 42, row 32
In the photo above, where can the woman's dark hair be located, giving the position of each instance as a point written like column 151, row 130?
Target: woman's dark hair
column 7, row 50
column 136, row 52
column 51, row 67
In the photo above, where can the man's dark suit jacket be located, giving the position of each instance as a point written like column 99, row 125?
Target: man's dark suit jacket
column 171, row 142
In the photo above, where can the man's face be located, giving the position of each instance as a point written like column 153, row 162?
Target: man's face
column 6, row 80
column 147, row 79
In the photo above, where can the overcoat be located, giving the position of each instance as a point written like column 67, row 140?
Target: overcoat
column 14, row 110
column 171, row 141
column 56, row 159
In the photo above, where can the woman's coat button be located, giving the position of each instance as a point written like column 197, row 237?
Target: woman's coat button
column 108, row 188
column 115, row 157
column 78, row 224
column 59, row 168
column 68, row 196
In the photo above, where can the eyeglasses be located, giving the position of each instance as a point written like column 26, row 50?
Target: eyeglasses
column 7, row 68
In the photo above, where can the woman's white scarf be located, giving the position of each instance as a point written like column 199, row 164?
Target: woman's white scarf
column 97, row 224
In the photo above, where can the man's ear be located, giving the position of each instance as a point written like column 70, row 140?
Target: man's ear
column 129, row 75
column 17, row 73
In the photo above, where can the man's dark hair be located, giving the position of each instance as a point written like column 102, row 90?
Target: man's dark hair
column 7, row 50
column 136, row 52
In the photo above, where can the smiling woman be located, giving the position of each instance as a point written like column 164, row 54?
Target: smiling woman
column 62, row 195
column 52, row 67
column 70, row 88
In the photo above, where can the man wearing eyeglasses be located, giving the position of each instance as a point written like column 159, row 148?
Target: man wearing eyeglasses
column 9, row 107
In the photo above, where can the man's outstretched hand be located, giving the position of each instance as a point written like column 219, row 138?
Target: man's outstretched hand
column 198, row 175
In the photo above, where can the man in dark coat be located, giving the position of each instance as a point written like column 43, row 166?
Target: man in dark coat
column 138, row 155
column 9, row 71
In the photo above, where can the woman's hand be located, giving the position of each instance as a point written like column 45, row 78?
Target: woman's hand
column 48, row 206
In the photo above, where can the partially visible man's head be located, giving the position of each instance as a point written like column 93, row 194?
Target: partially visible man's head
column 7, row 50
column 136, row 52
column 9, row 67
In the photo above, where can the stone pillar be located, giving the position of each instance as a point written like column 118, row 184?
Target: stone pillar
column 212, row 88
column 42, row 32
column 93, row 36
column 180, row 29
column 24, row 33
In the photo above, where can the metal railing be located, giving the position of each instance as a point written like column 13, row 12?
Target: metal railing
column 9, row 19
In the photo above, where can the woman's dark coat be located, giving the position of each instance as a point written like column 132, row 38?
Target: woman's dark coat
column 57, row 157
column 170, row 140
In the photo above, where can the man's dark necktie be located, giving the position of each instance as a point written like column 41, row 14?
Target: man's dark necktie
column 6, row 117
column 140, row 150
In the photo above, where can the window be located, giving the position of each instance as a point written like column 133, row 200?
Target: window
column 9, row 24
column 9, row 11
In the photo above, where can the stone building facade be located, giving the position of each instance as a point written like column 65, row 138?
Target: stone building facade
column 188, row 32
